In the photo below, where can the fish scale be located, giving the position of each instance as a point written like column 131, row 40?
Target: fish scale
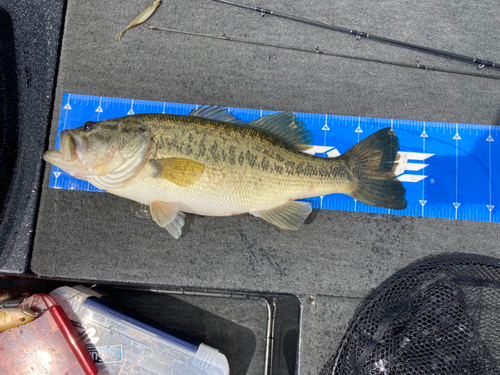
column 250, row 151
column 245, row 186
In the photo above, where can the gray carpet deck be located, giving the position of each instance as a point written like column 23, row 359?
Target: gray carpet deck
column 36, row 28
column 338, row 257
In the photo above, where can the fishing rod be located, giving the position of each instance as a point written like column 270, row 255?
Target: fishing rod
column 359, row 35
column 317, row 51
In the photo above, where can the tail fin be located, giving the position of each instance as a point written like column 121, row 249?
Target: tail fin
column 373, row 159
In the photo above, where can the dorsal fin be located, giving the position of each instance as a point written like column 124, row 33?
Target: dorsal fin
column 215, row 113
column 287, row 127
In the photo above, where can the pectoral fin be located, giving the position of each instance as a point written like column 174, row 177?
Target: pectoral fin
column 168, row 216
column 182, row 172
column 289, row 216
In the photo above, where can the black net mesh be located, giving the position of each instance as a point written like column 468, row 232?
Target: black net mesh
column 440, row 315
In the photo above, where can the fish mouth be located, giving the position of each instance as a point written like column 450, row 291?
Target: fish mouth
column 53, row 157
column 67, row 146
column 67, row 157
column 73, row 167
column 71, row 145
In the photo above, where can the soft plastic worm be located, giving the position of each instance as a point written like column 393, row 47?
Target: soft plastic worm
column 141, row 17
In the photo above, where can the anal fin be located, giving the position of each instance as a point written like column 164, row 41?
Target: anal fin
column 289, row 216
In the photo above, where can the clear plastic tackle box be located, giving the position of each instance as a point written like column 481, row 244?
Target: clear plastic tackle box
column 122, row 345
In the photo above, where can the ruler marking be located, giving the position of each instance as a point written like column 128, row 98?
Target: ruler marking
column 489, row 140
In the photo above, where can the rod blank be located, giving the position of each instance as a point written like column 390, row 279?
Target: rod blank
column 480, row 63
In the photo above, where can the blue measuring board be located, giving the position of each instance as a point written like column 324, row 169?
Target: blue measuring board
column 448, row 170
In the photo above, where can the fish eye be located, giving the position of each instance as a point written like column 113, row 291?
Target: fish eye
column 88, row 126
column 23, row 319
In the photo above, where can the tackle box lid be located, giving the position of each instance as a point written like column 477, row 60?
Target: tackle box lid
column 119, row 343
column 49, row 344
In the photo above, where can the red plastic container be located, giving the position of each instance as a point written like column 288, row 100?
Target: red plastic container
column 49, row 344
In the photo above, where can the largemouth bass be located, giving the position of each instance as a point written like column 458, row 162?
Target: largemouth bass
column 212, row 164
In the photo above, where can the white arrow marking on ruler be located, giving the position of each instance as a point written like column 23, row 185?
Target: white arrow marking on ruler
column 411, row 178
column 325, row 129
column 56, row 174
column 392, row 123
column 331, row 151
column 99, row 109
column 359, row 131
column 415, row 167
column 456, row 204
column 333, row 154
column 403, row 165
column 67, row 106
column 423, row 135
column 131, row 112
column 416, row 155
column 490, row 208
column 490, row 139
